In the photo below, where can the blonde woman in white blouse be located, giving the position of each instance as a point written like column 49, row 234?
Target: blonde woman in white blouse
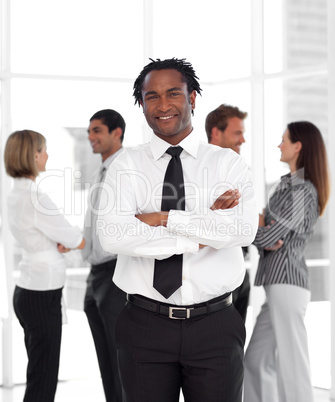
column 38, row 291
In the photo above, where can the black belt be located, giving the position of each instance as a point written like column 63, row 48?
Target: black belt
column 110, row 264
column 181, row 313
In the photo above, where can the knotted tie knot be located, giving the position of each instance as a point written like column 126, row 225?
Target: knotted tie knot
column 174, row 151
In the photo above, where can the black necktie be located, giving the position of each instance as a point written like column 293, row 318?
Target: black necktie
column 168, row 272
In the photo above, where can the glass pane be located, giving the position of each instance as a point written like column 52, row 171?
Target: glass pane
column 304, row 99
column 50, row 105
column 77, row 37
column 273, row 129
column 305, row 33
column 273, row 36
column 1, row 41
column 291, row 100
column 3, row 278
column 307, row 99
column 286, row 101
column 61, row 111
column 214, row 37
column 295, row 34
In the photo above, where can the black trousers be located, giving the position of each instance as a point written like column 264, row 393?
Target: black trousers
column 158, row 356
column 241, row 297
column 103, row 303
column 39, row 313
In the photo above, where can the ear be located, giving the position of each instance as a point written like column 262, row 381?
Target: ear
column 117, row 132
column 298, row 146
column 193, row 95
column 215, row 136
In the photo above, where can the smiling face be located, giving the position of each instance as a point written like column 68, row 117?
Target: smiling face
column 102, row 141
column 167, row 105
column 289, row 150
column 233, row 136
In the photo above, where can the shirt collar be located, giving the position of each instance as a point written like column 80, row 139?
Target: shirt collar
column 110, row 159
column 190, row 144
column 24, row 183
column 292, row 179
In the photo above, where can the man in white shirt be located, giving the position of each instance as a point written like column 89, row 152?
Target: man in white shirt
column 103, row 299
column 225, row 128
column 179, row 328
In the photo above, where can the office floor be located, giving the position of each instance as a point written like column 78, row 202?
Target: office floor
column 88, row 390
column 79, row 373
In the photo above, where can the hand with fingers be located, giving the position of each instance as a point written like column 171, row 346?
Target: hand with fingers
column 227, row 200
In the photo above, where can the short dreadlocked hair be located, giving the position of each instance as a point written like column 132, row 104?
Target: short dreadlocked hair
column 185, row 68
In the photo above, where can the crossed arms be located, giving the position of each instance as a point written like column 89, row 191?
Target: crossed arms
column 227, row 200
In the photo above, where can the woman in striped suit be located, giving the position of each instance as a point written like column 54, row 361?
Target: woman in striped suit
column 38, row 228
column 277, row 362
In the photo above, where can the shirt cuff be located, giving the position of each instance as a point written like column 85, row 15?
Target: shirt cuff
column 185, row 245
column 178, row 223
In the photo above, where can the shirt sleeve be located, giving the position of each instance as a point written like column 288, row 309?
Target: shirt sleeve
column 120, row 232
column 222, row 228
column 290, row 218
column 52, row 223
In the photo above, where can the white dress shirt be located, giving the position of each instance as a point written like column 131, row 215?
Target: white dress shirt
column 93, row 252
column 133, row 185
column 37, row 226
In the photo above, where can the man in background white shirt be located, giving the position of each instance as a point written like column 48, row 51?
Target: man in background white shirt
column 103, row 299
column 193, row 338
column 225, row 128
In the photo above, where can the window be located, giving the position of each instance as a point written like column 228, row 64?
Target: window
column 63, row 61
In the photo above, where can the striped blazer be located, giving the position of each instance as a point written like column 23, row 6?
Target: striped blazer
column 290, row 215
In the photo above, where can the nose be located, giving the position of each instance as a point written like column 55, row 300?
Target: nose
column 164, row 104
column 90, row 135
column 242, row 139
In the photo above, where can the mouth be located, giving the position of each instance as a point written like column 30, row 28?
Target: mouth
column 165, row 118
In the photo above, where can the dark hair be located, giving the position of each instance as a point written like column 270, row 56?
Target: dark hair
column 20, row 150
column 112, row 119
column 312, row 158
column 219, row 118
column 180, row 65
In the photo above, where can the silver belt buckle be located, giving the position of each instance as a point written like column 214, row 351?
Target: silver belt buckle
column 188, row 313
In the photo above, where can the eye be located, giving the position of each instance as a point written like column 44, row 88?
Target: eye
column 151, row 97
